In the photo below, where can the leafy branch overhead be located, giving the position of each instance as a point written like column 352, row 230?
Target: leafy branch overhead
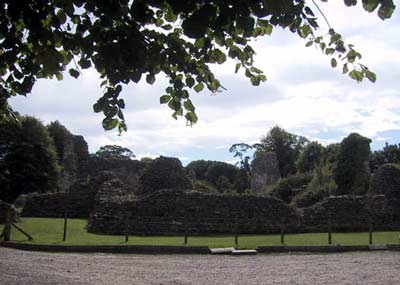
column 135, row 40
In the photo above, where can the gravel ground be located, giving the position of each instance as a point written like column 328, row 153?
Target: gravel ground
column 23, row 267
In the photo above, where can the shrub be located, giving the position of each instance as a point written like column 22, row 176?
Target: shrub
column 290, row 186
column 320, row 186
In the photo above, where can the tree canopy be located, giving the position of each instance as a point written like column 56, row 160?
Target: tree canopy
column 351, row 172
column 115, row 151
column 287, row 147
column 127, row 41
column 28, row 159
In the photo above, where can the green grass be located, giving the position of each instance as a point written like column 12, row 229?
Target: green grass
column 50, row 231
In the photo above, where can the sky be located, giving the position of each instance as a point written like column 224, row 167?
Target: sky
column 303, row 95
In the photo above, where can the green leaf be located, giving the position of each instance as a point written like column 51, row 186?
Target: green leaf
column 238, row 65
column 345, row 68
column 170, row 15
column 350, row 2
column 198, row 87
column 329, row 51
column 165, row 99
column 97, row 108
column 166, row 27
column 370, row 5
column 84, row 63
column 333, row 63
column 109, row 124
column 174, row 105
column 310, row 43
column 150, row 78
column 121, row 103
column 190, row 82
column 370, row 75
column 356, row 75
column 199, row 43
column 255, row 80
column 217, row 56
column 120, row 115
column 188, row 105
column 184, row 94
column 386, row 11
column 74, row 73
column 59, row 76
column 191, row 117
column 246, row 24
column 61, row 16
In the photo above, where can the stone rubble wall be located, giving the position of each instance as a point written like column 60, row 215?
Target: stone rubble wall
column 172, row 211
column 116, row 203
column 79, row 199
column 349, row 213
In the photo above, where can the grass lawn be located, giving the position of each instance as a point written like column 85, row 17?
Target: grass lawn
column 50, row 231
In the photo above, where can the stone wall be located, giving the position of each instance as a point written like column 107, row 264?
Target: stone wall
column 128, row 170
column 348, row 213
column 384, row 195
column 265, row 172
column 178, row 211
column 77, row 203
column 79, row 199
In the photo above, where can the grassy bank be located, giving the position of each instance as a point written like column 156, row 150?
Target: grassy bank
column 50, row 231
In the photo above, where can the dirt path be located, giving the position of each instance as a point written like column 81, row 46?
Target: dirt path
column 21, row 267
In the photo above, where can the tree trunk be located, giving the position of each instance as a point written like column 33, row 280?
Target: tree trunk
column 6, row 234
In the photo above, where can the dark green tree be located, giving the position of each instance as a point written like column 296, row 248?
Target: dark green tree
column 28, row 160
column 59, row 133
column 114, row 152
column 218, row 169
column 310, row 157
column 389, row 154
column 351, row 172
column 240, row 150
column 43, row 38
column 287, row 147
column 199, row 168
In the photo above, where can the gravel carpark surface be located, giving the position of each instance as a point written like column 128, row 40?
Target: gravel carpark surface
column 24, row 267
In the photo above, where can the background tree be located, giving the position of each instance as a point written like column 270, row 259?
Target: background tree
column 40, row 39
column 28, row 160
column 310, row 157
column 321, row 185
column 115, row 152
column 59, row 133
column 287, row 147
column 218, row 169
column 351, row 172
column 240, row 150
column 199, row 168
column 389, row 154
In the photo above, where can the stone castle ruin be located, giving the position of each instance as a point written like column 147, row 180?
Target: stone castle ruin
column 122, row 196
column 265, row 172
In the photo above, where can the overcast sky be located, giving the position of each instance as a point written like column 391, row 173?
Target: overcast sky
column 302, row 95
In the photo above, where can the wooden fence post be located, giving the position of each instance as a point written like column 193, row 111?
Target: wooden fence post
column 185, row 241
column 329, row 228
column 65, row 227
column 370, row 230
